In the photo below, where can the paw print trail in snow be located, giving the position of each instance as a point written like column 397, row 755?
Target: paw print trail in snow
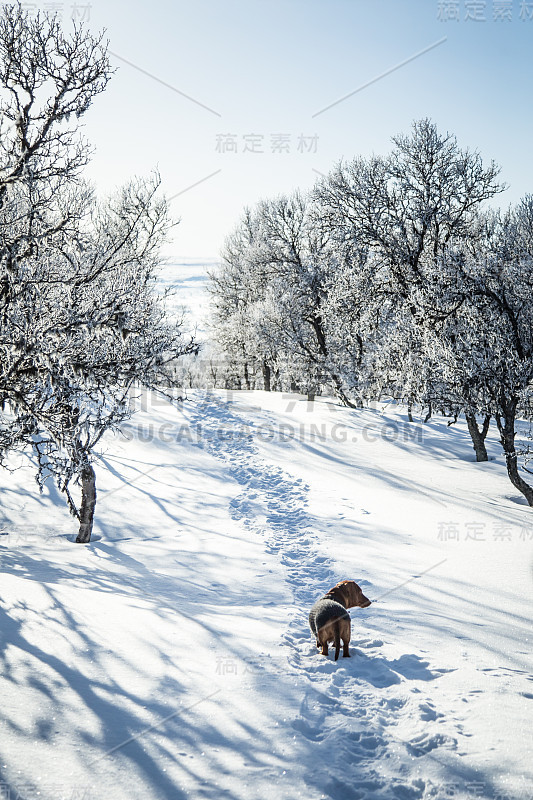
column 343, row 709
column 272, row 502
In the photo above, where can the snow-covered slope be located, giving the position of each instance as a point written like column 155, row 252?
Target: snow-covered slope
column 172, row 657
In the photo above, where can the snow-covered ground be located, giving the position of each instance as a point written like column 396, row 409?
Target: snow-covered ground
column 171, row 657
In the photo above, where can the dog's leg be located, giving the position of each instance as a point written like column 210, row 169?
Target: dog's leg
column 346, row 633
column 325, row 649
column 337, row 638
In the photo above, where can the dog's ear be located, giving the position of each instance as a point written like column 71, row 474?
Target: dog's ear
column 345, row 589
column 355, row 592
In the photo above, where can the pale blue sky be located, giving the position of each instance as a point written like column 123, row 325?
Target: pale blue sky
column 266, row 66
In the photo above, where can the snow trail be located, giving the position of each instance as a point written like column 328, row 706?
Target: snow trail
column 350, row 711
column 272, row 502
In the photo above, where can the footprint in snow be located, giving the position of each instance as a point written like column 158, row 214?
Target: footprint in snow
column 311, row 732
column 358, row 741
column 392, row 703
column 338, row 788
column 425, row 743
column 428, row 712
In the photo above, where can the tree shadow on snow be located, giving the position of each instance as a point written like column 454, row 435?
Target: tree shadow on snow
column 122, row 727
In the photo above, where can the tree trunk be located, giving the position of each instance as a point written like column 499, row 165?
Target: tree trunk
column 316, row 322
column 430, row 412
column 507, row 437
column 266, row 377
column 410, row 410
column 341, row 394
column 88, row 503
column 478, row 435
column 247, row 376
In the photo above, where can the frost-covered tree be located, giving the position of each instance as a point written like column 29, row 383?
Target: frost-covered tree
column 482, row 337
column 496, row 347
column 103, row 329
column 47, row 82
column 409, row 206
column 85, row 324
column 415, row 210
column 237, row 288
column 80, row 317
column 277, row 296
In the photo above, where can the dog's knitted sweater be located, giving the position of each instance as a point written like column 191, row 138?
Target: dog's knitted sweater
column 324, row 611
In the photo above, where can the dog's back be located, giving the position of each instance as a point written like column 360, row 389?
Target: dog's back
column 324, row 611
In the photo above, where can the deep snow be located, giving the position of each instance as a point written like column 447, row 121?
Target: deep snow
column 172, row 657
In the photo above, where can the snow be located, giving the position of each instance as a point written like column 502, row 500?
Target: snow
column 172, row 658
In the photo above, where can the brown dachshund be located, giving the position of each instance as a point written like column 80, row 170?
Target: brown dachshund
column 329, row 620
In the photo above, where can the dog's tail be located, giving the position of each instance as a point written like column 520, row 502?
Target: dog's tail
column 337, row 638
